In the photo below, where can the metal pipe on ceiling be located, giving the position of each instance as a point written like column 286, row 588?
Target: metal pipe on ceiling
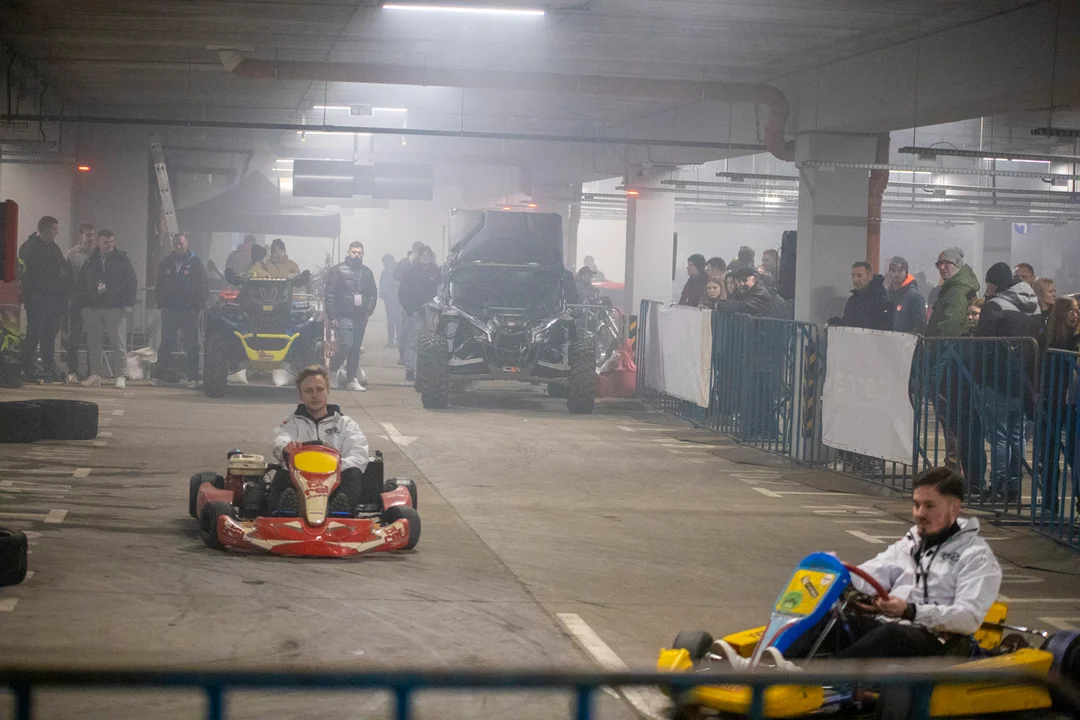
column 607, row 85
column 415, row 132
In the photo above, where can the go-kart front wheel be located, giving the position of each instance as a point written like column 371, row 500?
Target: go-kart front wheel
column 400, row 512
column 696, row 642
column 1065, row 647
column 208, row 522
column 409, row 484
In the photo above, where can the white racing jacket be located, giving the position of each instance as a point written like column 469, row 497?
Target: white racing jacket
column 952, row 586
column 334, row 430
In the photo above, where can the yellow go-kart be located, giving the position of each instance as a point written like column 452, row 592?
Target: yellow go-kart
column 818, row 599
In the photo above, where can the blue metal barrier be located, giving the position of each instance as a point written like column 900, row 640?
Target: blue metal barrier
column 765, row 382
column 582, row 686
column 973, row 400
column 1056, row 468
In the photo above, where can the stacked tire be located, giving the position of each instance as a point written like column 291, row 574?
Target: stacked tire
column 33, row 420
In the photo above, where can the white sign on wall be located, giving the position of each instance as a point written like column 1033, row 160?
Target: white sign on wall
column 865, row 407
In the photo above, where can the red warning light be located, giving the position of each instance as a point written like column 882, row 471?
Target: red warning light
column 635, row 193
column 507, row 207
column 532, row 206
column 83, row 168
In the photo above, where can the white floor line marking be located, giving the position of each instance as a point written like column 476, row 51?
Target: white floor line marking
column 396, row 437
column 81, row 472
column 59, row 472
column 695, row 461
column 767, row 493
column 29, row 574
column 690, row 445
column 649, row 701
column 1021, row 579
column 8, row 604
column 764, row 481
column 860, row 512
column 31, row 534
column 872, row 539
column 8, row 486
column 1034, row 601
column 800, row 492
column 22, row 516
column 625, row 429
column 105, row 433
column 1063, row 623
column 118, row 412
column 673, row 451
column 55, row 517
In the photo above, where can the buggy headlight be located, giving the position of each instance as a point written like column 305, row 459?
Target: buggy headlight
column 487, row 329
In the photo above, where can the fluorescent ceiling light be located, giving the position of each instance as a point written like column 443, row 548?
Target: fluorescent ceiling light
column 466, row 9
column 347, row 107
column 932, row 152
column 329, row 107
column 329, row 132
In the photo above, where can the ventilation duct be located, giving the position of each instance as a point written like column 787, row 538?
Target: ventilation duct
column 344, row 179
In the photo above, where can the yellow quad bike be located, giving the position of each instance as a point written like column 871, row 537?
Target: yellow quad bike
column 818, row 599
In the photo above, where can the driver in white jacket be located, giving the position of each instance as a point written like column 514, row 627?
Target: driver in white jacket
column 315, row 420
column 941, row 577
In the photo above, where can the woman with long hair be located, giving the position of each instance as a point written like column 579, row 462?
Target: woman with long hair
column 1061, row 422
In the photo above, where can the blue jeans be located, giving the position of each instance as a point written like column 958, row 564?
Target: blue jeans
column 1003, row 419
column 350, row 336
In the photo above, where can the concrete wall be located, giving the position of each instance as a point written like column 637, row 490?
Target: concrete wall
column 42, row 190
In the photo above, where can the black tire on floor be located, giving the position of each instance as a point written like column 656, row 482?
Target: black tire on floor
column 696, row 642
column 12, row 557
column 581, row 392
column 433, row 366
column 196, row 482
column 20, row 422
column 392, row 484
column 208, row 522
column 68, row 419
column 215, row 365
column 400, row 512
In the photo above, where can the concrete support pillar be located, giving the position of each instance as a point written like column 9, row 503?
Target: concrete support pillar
column 570, row 236
column 650, row 233
column 832, row 221
column 996, row 246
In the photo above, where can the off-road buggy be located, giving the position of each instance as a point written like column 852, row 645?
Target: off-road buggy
column 264, row 324
column 506, row 310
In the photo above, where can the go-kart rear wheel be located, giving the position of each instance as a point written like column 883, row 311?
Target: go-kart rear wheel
column 13, row 551
column 208, row 522
column 696, row 642
column 400, row 512
column 196, row 482
column 215, row 365
column 392, row 484
column 1065, row 647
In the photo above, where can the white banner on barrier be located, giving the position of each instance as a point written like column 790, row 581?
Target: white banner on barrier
column 865, row 407
column 678, row 352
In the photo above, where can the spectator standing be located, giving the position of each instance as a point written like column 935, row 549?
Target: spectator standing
column 973, row 313
column 751, row 297
column 951, row 384
column 388, row 290
column 240, row 259
column 587, row 292
column 46, row 289
column 257, row 268
column 770, row 267
column 351, row 298
column 1024, row 272
column 181, row 290
column 1046, row 294
column 959, row 287
column 715, row 268
column 403, row 267
column 714, row 293
column 590, row 263
column 908, row 302
column 744, row 259
column 278, row 265
column 75, row 257
column 105, row 291
column 694, row 289
column 730, row 286
column 1011, row 311
column 1060, row 390
column 869, row 306
column 417, row 288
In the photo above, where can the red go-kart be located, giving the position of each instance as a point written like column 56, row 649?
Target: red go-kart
column 300, row 508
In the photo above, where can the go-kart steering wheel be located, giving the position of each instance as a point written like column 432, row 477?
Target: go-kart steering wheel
column 882, row 593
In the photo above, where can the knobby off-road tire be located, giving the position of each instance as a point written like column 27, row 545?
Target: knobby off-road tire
column 215, row 365
column 12, row 557
column 68, row 419
column 20, row 422
column 581, row 392
column 433, row 368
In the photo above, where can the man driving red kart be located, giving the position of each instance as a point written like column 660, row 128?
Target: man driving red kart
column 941, row 578
column 316, row 421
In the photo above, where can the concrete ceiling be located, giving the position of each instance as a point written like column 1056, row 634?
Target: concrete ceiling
column 154, row 58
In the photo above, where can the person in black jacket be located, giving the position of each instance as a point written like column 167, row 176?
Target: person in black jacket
column 694, row 290
column 351, row 297
column 46, row 286
column 388, row 289
column 869, row 306
column 106, row 291
column 909, row 305
column 751, row 297
column 404, row 265
column 418, row 287
column 182, row 292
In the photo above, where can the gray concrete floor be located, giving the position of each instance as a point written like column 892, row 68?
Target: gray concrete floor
column 628, row 519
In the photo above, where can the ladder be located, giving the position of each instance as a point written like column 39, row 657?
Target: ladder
column 167, row 207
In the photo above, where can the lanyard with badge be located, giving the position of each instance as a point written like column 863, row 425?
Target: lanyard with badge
column 101, row 278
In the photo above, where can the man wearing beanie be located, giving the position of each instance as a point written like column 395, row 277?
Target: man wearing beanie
column 693, row 291
column 949, row 315
column 1011, row 311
